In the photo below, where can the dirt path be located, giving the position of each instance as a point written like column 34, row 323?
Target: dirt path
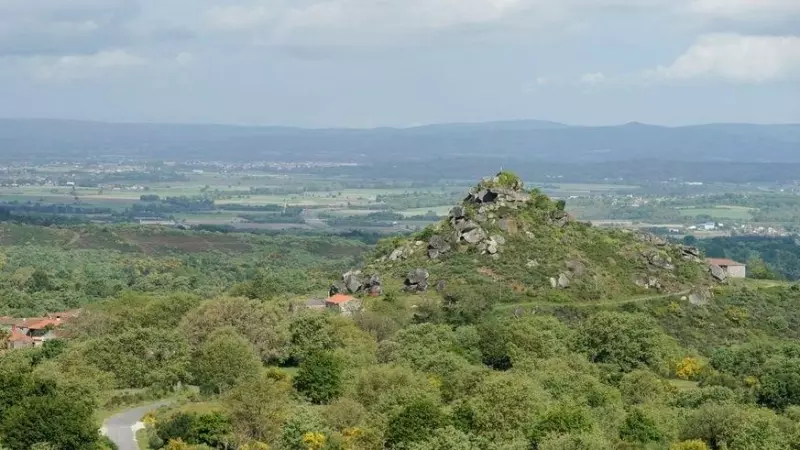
column 646, row 298
column 74, row 239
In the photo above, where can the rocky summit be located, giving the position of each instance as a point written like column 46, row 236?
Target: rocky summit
column 515, row 245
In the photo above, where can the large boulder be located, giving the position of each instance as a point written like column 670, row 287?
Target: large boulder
column 700, row 296
column 576, row 268
column 656, row 259
column 718, row 272
column 352, row 281
column 373, row 285
column 474, row 236
column 437, row 246
column 417, row 280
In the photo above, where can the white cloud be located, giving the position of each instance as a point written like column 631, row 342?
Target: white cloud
column 593, row 79
column 184, row 58
column 74, row 67
column 745, row 9
column 237, row 17
column 736, row 58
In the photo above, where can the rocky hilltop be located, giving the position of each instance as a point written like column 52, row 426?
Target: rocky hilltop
column 514, row 245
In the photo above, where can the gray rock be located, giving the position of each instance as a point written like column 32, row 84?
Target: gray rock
column 474, row 236
column 651, row 238
column 647, row 282
column 563, row 281
column 434, row 254
column 480, row 218
column 532, row 264
column 397, row 254
column 439, row 244
column 530, row 235
column 491, row 247
column 352, row 281
column 417, row 281
column 655, row 259
column 694, row 251
column 463, row 225
column 553, row 282
column 504, row 225
column 560, row 218
column 576, row 268
column 457, row 212
column 700, row 296
column 718, row 272
column 441, row 285
column 499, row 239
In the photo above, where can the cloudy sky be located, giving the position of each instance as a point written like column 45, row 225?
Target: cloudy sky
column 363, row 63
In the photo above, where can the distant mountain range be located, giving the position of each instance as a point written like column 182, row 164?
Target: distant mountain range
column 519, row 140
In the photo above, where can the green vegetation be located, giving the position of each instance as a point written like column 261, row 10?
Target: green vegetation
column 498, row 358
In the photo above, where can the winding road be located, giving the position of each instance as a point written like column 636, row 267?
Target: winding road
column 121, row 428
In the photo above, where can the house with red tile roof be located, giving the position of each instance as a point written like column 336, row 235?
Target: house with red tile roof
column 17, row 340
column 345, row 305
column 33, row 332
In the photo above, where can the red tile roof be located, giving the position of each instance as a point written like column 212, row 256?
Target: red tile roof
column 339, row 299
column 723, row 262
column 16, row 336
column 43, row 323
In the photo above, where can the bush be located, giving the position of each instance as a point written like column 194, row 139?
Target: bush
column 319, row 378
column 415, row 422
column 192, row 428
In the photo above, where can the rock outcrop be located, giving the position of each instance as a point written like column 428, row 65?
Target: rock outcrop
column 718, row 272
column 417, row 281
column 354, row 282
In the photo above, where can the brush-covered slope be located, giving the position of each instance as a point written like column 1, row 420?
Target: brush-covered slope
column 513, row 245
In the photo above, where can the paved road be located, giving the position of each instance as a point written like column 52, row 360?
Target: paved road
column 120, row 427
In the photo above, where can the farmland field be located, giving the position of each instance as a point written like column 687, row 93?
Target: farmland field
column 719, row 212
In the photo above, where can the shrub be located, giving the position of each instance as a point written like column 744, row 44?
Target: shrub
column 319, row 378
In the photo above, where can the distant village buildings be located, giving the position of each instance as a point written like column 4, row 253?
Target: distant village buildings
column 33, row 332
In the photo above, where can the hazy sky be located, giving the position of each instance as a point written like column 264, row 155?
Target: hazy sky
column 401, row 62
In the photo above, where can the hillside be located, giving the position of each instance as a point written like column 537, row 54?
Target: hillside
column 518, row 246
column 625, row 349
column 529, row 140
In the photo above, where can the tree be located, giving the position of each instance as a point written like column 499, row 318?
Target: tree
column 319, row 378
column 51, row 415
column 415, row 422
column 779, row 385
column 643, row 386
column 259, row 407
column 224, row 360
column 758, row 269
column 627, row 340
column 141, row 357
column 562, row 418
column 265, row 325
column 641, row 428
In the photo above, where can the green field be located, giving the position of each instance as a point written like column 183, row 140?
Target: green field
column 719, row 212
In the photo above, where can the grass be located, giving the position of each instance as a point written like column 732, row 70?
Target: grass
column 141, row 440
column 719, row 212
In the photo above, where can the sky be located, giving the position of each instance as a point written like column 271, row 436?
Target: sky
column 369, row 63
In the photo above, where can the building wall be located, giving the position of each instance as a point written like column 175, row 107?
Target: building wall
column 736, row 271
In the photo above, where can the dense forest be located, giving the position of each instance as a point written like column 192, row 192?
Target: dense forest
column 495, row 357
